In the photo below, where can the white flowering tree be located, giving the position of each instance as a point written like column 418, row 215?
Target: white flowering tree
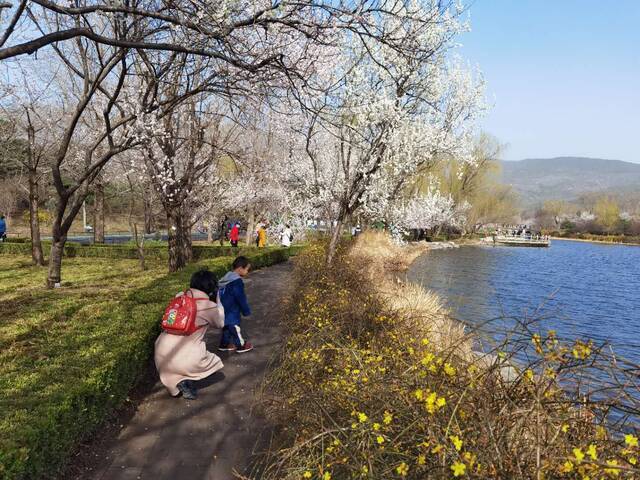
column 388, row 110
column 427, row 211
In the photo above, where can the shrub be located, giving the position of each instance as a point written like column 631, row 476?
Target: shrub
column 126, row 251
column 80, row 364
column 376, row 381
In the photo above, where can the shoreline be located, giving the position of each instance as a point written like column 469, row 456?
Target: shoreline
column 604, row 242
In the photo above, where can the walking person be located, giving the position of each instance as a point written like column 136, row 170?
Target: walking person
column 234, row 235
column 262, row 236
column 287, row 236
column 183, row 359
column 3, row 228
column 235, row 304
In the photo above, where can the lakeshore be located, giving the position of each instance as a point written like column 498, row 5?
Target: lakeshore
column 604, row 242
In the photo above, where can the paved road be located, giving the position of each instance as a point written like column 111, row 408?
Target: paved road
column 174, row 439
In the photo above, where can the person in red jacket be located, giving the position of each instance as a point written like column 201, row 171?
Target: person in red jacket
column 234, row 235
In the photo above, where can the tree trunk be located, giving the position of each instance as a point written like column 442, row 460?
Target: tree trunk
column 223, row 225
column 187, row 244
column 55, row 260
column 175, row 240
column 210, row 232
column 250, row 226
column 149, row 227
column 139, row 246
column 34, row 221
column 335, row 238
column 98, row 214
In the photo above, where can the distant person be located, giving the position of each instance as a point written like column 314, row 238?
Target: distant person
column 235, row 305
column 234, row 235
column 262, row 236
column 287, row 236
column 183, row 359
column 3, row 228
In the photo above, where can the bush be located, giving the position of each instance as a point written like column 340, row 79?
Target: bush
column 83, row 363
column 155, row 251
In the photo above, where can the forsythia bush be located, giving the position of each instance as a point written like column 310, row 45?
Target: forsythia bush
column 363, row 391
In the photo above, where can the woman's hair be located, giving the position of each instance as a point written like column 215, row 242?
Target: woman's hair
column 240, row 262
column 205, row 281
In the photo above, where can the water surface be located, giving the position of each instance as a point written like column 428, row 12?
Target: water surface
column 578, row 289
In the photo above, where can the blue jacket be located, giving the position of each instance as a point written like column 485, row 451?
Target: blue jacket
column 233, row 298
column 3, row 225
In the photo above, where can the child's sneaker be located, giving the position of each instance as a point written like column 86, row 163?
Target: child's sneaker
column 188, row 390
column 227, row 348
column 245, row 348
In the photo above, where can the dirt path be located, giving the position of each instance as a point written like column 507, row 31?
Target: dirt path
column 209, row 438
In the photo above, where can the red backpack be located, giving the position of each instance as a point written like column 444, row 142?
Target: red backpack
column 180, row 316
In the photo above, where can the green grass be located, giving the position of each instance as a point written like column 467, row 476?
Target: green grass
column 71, row 355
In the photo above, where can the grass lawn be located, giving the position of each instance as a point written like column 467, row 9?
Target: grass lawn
column 72, row 354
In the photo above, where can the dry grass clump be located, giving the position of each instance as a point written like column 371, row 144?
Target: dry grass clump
column 382, row 254
column 379, row 385
column 422, row 312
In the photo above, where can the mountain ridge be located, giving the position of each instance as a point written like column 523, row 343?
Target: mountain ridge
column 566, row 178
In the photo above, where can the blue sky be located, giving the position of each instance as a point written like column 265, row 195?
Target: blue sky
column 563, row 76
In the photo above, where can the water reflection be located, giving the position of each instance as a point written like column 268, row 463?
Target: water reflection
column 579, row 289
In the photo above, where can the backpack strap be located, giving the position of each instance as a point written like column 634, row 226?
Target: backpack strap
column 196, row 299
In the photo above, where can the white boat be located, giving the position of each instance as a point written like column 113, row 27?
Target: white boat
column 518, row 240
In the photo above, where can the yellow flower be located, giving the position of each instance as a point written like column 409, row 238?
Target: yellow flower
column 578, row 454
column 436, row 449
column 633, row 460
column 458, row 469
column 449, row 370
column 565, row 428
column 456, row 442
column 388, row 417
column 615, row 471
column 425, row 341
column 592, row 452
column 418, row 394
column 422, row 459
column 306, row 474
column 380, row 439
column 365, row 469
column 427, row 359
column 376, row 426
column 362, row 417
column 631, row 440
column 529, row 374
column 441, row 402
column 403, row 469
column 567, row 467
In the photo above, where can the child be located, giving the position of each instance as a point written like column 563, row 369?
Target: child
column 235, row 304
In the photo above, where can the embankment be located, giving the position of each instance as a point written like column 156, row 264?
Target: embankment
column 377, row 381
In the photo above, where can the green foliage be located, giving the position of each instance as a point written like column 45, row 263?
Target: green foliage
column 156, row 251
column 608, row 213
column 71, row 355
column 568, row 226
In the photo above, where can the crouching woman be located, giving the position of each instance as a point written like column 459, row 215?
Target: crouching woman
column 183, row 359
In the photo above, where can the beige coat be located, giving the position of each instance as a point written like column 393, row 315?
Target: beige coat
column 180, row 357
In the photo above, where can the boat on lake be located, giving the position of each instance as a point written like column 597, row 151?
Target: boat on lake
column 518, row 240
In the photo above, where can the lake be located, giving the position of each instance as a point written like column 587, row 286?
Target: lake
column 579, row 289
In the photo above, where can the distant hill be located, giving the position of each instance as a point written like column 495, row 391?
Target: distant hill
column 566, row 178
